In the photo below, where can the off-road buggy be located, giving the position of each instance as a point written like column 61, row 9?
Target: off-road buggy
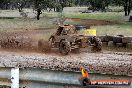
column 67, row 38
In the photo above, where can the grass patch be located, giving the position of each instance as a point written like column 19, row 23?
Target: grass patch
column 20, row 23
column 113, row 30
column 108, row 16
column 46, row 22
column 126, row 25
column 123, row 27
column 112, row 16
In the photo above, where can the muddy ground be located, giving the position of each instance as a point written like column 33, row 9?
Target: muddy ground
column 91, row 22
column 24, row 39
column 20, row 49
column 28, row 38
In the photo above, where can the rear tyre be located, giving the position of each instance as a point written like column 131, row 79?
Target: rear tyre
column 52, row 41
column 97, row 44
column 64, row 47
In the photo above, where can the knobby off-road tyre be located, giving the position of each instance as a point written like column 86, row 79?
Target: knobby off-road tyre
column 97, row 45
column 64, row 47
column 52, row 41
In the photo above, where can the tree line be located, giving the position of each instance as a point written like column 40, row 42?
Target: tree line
column 58, row 5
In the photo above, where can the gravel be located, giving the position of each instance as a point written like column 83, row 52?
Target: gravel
column 117, row 63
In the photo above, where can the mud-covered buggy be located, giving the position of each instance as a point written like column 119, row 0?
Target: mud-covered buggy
column 67, row 38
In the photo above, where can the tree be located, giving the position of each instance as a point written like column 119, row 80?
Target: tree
column 127, row 4
column 60, row 4
column 4, row 4
column 127, row 7
column 102, row 4
column 95, row 4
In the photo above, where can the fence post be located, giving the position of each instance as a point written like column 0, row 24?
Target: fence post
column 15, row 78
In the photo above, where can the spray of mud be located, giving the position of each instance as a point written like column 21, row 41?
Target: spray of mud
column 44, row 46
column 20, row 41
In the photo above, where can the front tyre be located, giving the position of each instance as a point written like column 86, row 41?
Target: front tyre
column 64, row 47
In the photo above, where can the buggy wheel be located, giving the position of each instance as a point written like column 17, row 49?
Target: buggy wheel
column 97, row 47
column 64, row 47
column 52, row 41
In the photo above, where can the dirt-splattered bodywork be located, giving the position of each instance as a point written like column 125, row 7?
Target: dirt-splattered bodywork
column 67, row 38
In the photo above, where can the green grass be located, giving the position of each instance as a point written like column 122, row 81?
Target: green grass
column 99, row 16
column 126, row 25
column 108, row 16
column 113, row 16
column 113, row 30
column 20, row 23
column 122, row 28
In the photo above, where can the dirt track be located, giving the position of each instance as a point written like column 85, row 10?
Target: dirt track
column 91, row 22
column 105, row 62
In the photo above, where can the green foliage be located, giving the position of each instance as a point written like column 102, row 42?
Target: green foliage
column 97, row 4
column 58, row 5
column 4, row 4
column 43, row 4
